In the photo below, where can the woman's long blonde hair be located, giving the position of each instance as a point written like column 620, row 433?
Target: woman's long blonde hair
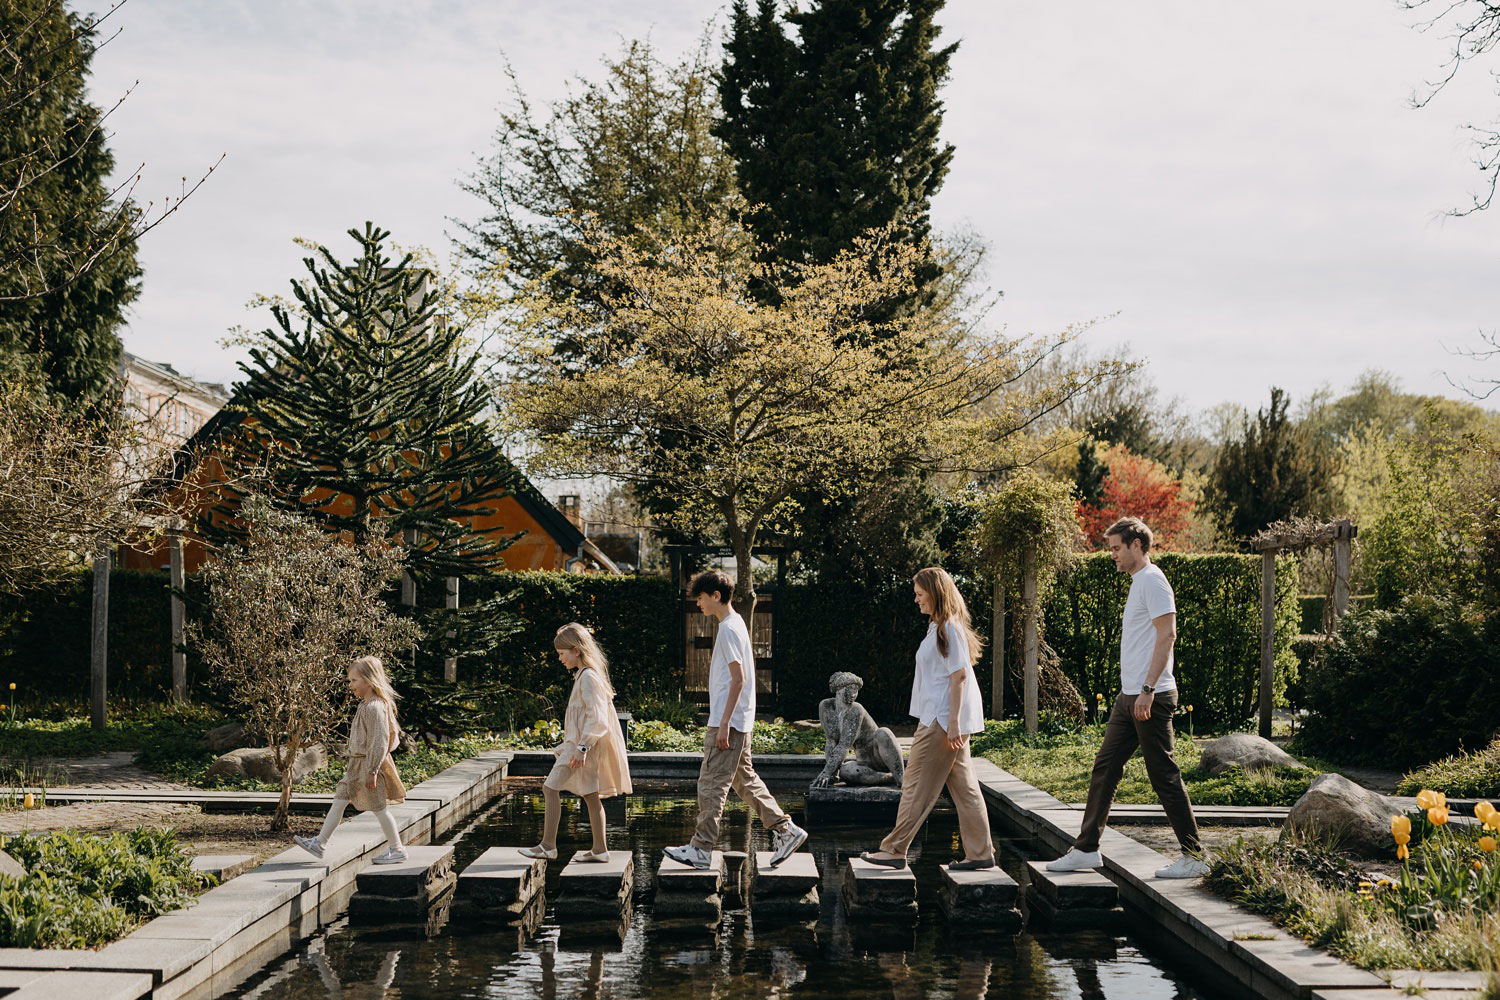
column 576, row 636
column 372, row 671
column 948, row 606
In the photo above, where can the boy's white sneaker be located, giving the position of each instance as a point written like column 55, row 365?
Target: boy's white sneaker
column 312, row 845
column 391, row 857
column 1076, row 861
column 687, row 854
column 1186, row 866
column 784, row 842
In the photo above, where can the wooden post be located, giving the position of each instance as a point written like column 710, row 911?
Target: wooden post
column 1030, row 685
column 1267, row 638
column 409, row 587
column 997, row 682
column 100, row 648
column 450, row 664
column 179, row 580
column 1343, row 544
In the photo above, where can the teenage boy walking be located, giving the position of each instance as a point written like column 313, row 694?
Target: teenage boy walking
column 1142, row 713
column 726, row 744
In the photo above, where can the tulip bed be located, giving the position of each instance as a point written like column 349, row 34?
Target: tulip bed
column 1436, row 907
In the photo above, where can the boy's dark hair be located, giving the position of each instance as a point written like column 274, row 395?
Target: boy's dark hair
column 712, row 581
column 1131, row 529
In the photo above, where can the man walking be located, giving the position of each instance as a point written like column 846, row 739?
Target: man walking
column 726, row 743
column 1142, row 713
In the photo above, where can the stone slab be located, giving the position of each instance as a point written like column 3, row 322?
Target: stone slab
column 986, row 897
column 797, row 874
column 90, row 985
column 224, row 866
column 1298, row 968
column 1044, row 914
column 1074, row 890
column 788, row 907
column 696, row 907
column 598, row 892
column 876, row 888
column 424, row 865
column 368, row 907
column 676, row 877
column 1392, row 994
column 502, row 879
column 161, row 958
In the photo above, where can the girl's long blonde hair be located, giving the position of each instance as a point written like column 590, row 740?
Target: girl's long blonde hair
column 576, row 636
column 372, row 671
column 948, row 606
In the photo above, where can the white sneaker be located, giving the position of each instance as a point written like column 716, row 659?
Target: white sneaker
column 312, row 845
column 687, row 854
column 1186, row 866
column 784, row 842
column 1076, row 861
column 391, row 857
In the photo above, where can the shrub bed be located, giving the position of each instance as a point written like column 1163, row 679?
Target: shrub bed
column 1464, row 775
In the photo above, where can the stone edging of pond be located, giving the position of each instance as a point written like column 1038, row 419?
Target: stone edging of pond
column 776, row 768
column 1242, row 951
column 233, row 929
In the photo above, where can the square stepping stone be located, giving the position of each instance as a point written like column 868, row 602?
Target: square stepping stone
column 988, row 896
column 1073, row 899
column 789, row 890
column 403, row 890
column 501, row 881
column 224, row 866
column 696, row 894
column 597, row 889
column 870, row 888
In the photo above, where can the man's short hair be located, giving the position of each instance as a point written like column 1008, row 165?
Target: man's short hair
column 712, row 581
column 1131, row 529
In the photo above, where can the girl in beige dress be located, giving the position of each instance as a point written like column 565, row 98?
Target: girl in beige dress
column 370, row 780
column 591, row 762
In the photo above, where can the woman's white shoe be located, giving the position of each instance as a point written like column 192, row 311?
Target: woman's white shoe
column 590, row 856
column 538, row 853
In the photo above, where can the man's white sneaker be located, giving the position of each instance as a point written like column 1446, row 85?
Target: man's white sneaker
column 784, row 842
column 1186, row 866
column 312, row 845
column 391, row 857
column 1076, row 861
column 687, row 854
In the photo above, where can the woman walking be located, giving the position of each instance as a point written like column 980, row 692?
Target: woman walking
column 370, row 780
column 945, row 701
column 591, row 762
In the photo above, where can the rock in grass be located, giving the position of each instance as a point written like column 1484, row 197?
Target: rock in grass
column 1336, row 811
column 1246, row 751
column 259, row 763
column 222, row 739
column 10, row 867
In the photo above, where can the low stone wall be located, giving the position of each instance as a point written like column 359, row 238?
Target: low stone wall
column 775, row 768
column 205, row 949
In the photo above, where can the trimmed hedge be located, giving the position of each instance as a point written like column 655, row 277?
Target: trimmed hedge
column 1218, row 630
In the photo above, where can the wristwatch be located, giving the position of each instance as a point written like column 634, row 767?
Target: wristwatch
column 582, row 748
column 1147, row 689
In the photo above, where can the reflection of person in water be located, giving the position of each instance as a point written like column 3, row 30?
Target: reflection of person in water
column 593, row 987
column 971, row 983
column 384, row 978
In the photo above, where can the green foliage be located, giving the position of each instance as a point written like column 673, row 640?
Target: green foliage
column 1276, row 470
column 1029, row 518
column 130, row 727
column 673, row 709
column 84, row 890
column 1463, row 775
column 1405, row 686
column 781, row 737
column 660, row 737
column 65, row 258
column 1217, row 654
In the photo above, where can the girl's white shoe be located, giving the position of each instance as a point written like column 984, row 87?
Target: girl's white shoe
column 589, row 856
column 391, row 857
column 538, row 853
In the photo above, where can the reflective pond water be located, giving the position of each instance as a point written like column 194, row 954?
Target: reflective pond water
column 448, row 959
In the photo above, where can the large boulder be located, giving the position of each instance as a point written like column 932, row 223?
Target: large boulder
column 1349, row 816
column 259, row 763
column 222, row 739
column 1246, row 751
column 10, row 867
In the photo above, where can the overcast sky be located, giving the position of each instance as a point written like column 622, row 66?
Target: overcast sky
column 1243, row 185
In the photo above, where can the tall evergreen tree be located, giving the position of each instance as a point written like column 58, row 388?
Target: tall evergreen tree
column 834, row 132
column 67, row 262
column 1275, row 470
column 369, row 414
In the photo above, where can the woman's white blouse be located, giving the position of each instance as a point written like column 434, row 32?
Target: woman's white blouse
column 929, row 687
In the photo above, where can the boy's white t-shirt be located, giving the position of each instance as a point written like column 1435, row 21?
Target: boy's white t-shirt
column 731, row 643
column 1150, row 598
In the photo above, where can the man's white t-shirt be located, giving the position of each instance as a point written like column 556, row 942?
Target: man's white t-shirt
column 1150, row 598
column 731, row 643
column 929, row 686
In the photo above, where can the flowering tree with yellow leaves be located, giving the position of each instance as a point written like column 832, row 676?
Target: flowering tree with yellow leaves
column 733, row 384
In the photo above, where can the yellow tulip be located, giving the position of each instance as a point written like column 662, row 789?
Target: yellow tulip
column 12, row 685
column 1402, row 853
column 1478, row 865
column 1482, row 809
column 1437, row 815
column 1428, row 799
column 1402, row 838
column 29, row 802
column 1400, row 824
column 1190, row 708
column 1487, row 845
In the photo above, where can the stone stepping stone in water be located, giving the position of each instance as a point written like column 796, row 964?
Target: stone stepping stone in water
column 685, row 891
column 403, row 890
column 599, row 890
column 878, row 890
column 224, row 866
column 985, row 897
column 501, row 883
column 790, row 890
column 1073, row 899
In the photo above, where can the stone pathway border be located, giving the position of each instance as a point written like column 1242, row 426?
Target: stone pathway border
column 776, row 768
column 1234, row 946
column 232, row 930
